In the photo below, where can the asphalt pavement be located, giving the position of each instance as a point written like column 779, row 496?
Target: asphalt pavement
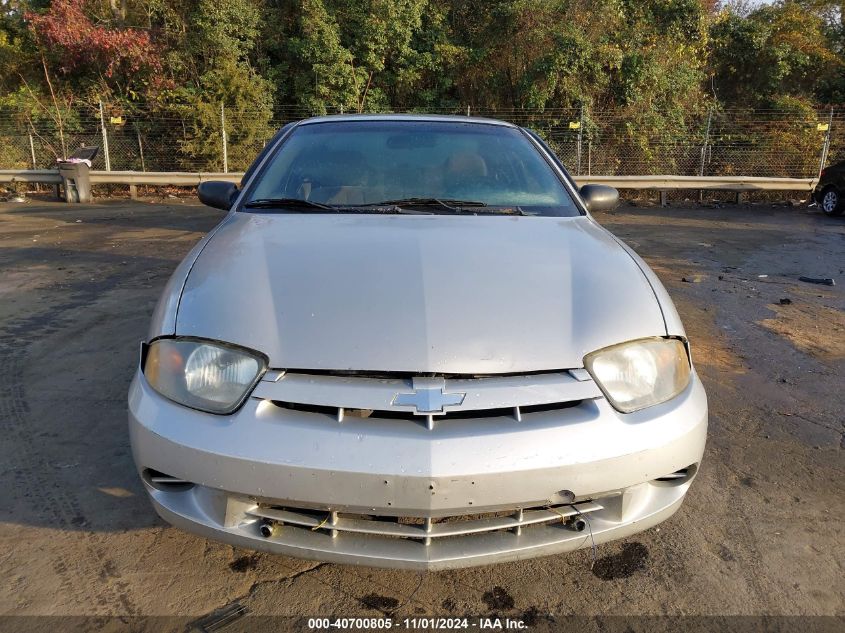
column 761, row 532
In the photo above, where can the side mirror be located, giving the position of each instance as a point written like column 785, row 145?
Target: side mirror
column 599, row 197
column 217, row 194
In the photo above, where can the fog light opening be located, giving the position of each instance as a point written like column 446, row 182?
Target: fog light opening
column 678, row 477
column 164, row 482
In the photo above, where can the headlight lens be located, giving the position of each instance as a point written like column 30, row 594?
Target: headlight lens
column 202, row 375
column 641, row 373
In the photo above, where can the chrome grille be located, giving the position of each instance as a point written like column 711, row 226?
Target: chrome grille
column 514, row 412
column 384, row 397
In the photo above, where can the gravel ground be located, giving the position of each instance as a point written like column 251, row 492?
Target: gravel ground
column 761, row 532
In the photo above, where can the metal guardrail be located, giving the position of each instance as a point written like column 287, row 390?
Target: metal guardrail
column 48, row 176
column 172, row 178
column 162, row 178
column 737, row 184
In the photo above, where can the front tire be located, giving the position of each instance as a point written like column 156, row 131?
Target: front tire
column 831, row 202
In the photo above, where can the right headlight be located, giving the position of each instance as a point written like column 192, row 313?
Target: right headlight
column 641, row 373
column 205, row 375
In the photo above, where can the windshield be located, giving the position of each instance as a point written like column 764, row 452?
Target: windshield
column 436, row 167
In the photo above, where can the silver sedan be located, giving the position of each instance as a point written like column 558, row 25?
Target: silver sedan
column 408, row 344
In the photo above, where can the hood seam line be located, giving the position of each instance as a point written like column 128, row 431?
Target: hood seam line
column 208, row 237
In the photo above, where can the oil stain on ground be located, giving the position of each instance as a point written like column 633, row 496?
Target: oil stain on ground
column 533, row 616
column 244, row 563
column 498, row 599
column 626, row 563
column 384, row 604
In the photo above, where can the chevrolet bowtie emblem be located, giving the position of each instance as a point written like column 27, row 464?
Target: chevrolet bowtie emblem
column 428, row 396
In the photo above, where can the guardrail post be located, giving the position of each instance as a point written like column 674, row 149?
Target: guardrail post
column 704, row 151
column 32, row 151
column 579, row 142
column 106, row 157
column 826, row 143
column 140, row 148
column 706, row 142
column 223, row 135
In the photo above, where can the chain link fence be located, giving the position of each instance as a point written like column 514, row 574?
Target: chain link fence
column 710, row 143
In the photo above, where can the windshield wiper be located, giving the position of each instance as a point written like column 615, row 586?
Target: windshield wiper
column 387, row 207
column 451, row 205
column 284, row 203
column 298, row 203
column 455, row 206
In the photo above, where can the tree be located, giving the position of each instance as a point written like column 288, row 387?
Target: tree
column 653, row 69
column 774, row 51
column 322, row 68
column 119, row 62
column 248, row 110
column 220, row 72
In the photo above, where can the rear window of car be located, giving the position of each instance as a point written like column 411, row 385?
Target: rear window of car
column 363, row 163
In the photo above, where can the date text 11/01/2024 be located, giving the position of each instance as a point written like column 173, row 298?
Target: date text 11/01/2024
column 424, row 623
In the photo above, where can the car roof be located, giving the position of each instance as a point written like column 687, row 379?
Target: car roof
column 439, row 118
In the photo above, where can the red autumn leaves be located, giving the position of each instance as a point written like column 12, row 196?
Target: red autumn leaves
column 79, row 45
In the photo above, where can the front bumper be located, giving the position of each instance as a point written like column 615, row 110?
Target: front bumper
column 268, row 461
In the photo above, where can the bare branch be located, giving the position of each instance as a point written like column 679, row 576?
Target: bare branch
column 55, row 105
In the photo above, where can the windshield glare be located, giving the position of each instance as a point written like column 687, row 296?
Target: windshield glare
column 359, row 163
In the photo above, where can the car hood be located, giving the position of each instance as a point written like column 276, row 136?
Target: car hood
column 417, row 293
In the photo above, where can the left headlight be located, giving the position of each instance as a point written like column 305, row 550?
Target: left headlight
column 641, row 373
column 204, row 375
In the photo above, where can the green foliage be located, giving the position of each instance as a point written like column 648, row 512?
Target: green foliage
column 354, row 55
column 775, row 51
column 248, row 110
column 15, row 51
column 323, row 69
column 222, row 32
column 659, row 66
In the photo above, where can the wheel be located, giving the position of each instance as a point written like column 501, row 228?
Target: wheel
column 831, row 202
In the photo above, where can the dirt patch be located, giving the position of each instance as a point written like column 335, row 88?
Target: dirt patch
column 672, row 270
column 715, row 353
column 812, row 328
